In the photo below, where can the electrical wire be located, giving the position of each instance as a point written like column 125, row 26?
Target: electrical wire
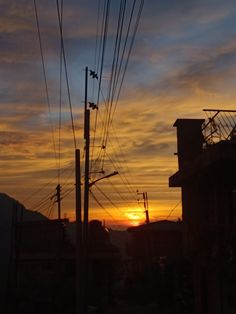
column 125, row 45
column 47, row 184
column 106, row 15
column 44, row 75
column 114, row 66
column 171, row 211
column 117, row 167
column 100, row 204
column 50, row 210
column 129, row 53
column 67, row 192
column 66, row 72
column 126, row 200
column 124, row 180
column 118, row 60
column 60, row 100
column 96, row 43
column 113, row 204
column 109, row 114
column 43, row 202
column 102, row 48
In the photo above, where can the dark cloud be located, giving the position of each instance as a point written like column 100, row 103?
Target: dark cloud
column 148, row 147
column 206, row 75
column 12, row 138
column 161, row 127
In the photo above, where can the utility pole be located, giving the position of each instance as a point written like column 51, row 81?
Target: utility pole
column 86, row 192
column 87, row 185
column 58, row 200
column 145, row 198
column 145, row 203
column 79, row 245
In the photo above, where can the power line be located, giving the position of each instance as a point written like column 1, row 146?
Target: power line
column 47, row 184
column 171, row 211
column 119, row 193
column 67, row 192
column 129, row 53
column 96, row 164
column 50, row 209
column 100, row 204
column 96, row 44
column 115, row 73
column 44, row 75
column 37, row 191
column 108, row 198
column 66, row 72
column 106, row 14
column 123, row 161
column 125, row 179
column 43, row 201
column 114, row 67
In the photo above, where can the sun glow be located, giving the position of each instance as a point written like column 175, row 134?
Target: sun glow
column 135, row 217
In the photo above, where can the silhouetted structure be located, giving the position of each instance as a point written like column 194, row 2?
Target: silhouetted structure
column 103, row 259
column 45, row 272
column 11, row 212
column 149, row 242
column 155, row 251
column 207, row 176
column 43, row 268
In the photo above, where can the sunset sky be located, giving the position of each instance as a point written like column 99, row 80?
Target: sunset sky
column 183, row 60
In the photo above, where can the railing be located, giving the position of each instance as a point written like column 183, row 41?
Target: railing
column 220, row 125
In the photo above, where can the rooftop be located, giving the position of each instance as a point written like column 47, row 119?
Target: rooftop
column 157, row 226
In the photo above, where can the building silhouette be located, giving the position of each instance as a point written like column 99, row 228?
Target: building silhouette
column 154, row 268
column 44, row 268
column 150, row 242
column 207, row 177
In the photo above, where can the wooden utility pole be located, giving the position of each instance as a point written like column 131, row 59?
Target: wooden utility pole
column 145, row 200
column 86, row 191
column 87, row 185
column 145, row 203
column 79, row 244
column 58, row 200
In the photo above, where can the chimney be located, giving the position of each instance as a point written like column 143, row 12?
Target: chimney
column 189, row 140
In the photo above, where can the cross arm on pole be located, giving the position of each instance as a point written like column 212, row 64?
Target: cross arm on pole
column 104, row 177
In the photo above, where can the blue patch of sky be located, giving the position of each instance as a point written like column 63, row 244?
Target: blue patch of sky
column 192, row 35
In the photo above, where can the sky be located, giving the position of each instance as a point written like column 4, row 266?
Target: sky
column 183, row 60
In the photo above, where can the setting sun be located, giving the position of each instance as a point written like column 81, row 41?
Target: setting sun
column 135, row 217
